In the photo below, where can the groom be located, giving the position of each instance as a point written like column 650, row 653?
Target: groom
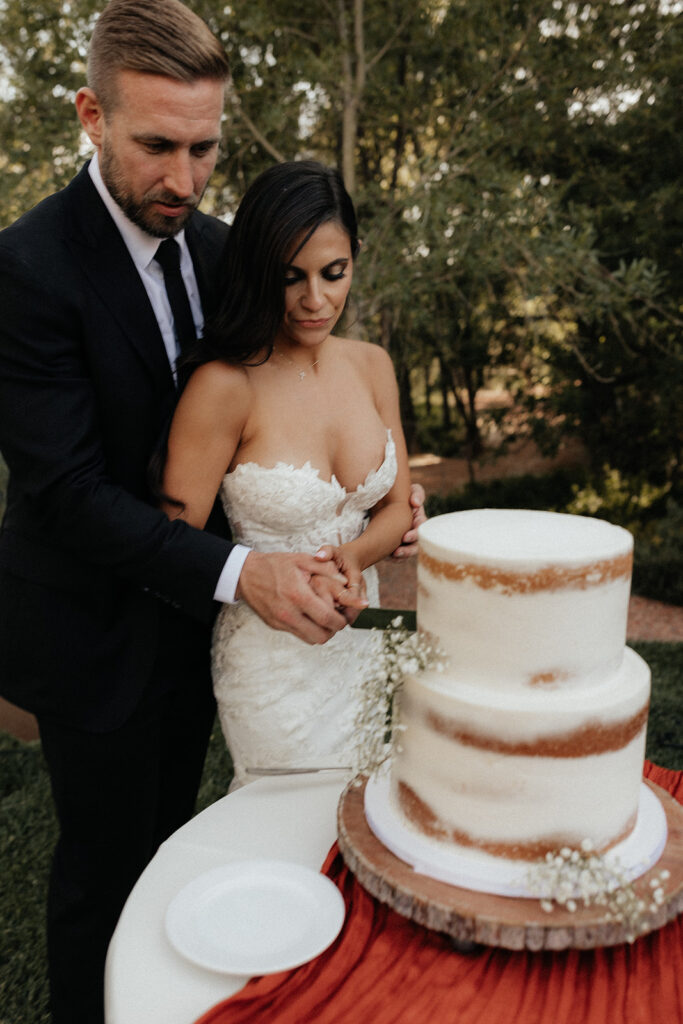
column 105, row 605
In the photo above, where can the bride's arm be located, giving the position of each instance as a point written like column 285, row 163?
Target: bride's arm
column 204, row 436
column 392, row 516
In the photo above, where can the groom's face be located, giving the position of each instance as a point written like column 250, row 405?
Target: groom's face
column 158, row 147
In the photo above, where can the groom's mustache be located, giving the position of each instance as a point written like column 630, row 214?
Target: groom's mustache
column 170, row 199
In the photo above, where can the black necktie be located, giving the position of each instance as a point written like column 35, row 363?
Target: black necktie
column 168, row 257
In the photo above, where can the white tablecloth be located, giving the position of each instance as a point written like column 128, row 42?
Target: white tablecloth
column 291, row 818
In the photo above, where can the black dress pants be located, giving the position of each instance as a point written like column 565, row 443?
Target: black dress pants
column 118, row 795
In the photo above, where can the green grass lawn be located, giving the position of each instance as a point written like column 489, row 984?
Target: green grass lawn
column 28, row 832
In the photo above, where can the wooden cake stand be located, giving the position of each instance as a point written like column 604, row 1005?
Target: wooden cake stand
column 476, row 918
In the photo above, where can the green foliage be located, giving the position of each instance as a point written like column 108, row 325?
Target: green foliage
column 549, row 493
column 217, row 774
column 42, row 55
column 27, row 836
column 658, row 561
column 433, row 437
column 665, row 722
column 610, row 495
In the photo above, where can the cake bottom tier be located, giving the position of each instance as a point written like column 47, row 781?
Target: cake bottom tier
column 520, row 777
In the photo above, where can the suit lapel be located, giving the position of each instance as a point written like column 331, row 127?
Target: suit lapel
column 106, row 263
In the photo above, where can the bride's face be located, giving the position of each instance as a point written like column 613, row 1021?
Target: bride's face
column 317, row 283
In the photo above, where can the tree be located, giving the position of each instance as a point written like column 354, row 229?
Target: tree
column 500, row 153
column 42, row 56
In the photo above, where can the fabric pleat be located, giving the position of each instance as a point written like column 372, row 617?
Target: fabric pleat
column 386, row 969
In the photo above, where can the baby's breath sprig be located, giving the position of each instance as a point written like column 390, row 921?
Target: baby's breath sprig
column 395, row 652
column 569, row 878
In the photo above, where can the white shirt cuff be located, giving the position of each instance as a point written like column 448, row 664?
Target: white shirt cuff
column 229, row 577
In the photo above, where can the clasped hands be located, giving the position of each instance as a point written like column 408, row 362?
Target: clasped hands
column 314, row 596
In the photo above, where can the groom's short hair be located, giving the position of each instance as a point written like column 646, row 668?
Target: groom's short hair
column 157, row 37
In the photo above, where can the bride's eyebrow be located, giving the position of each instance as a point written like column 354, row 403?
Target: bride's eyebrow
column 341, row 260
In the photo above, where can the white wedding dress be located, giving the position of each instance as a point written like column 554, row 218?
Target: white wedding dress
column 283, row 702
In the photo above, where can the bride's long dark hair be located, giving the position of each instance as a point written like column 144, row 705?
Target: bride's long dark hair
column 278, row 214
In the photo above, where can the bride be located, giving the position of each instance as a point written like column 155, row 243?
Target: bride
column 298, row 430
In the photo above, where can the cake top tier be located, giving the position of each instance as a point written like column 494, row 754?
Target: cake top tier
column 519, row 538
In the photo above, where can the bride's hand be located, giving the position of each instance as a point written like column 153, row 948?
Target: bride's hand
column 352, row 598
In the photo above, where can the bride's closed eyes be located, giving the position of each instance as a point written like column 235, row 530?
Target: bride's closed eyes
column 334, row 271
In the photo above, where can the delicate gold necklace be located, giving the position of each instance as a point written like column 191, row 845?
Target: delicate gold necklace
column 300, row 373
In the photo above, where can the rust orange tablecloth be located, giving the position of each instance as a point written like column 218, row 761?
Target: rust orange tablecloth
column 384, row 969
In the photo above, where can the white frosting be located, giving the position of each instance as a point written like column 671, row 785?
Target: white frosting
column 469, row 868
column 522, row 539
column 508, row 640
column 497, row 796
column 570, row 633
column 534, row 713
column 530, row 609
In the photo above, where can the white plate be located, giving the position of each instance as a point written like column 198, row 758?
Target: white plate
column 255, row 917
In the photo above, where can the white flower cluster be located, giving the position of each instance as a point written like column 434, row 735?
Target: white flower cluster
column 395, row 653
column 571, row 877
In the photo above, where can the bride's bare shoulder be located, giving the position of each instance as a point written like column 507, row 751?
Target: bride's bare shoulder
column 218, row 379
column 215, row 388
column 219, row 374
column 368, row 357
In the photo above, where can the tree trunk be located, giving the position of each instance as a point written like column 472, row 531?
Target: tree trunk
column 395, row 349
column 467, row 409
column 444, row 384
column 428, row 391
column 408, row 416
column 353, row 84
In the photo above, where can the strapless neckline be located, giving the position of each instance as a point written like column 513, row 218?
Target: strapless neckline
column 312, row 472
column 293, row 508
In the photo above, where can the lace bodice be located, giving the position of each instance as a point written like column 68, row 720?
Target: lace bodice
column 281, row 701
column 288, row 508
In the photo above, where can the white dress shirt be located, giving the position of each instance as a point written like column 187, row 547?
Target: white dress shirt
column 142, row 248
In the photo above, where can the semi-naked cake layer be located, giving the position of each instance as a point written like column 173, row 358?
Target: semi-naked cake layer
column 533, row 735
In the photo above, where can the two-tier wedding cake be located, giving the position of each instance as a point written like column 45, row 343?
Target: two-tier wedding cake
column 532, row 735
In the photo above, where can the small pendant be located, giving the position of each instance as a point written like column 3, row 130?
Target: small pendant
column 302, row 374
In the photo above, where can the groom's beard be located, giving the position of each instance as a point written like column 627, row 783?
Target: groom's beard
column 142, row 211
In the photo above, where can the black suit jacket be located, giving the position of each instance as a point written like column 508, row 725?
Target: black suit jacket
column 88, row 565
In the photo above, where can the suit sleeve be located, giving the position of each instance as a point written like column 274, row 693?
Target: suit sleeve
column 52, row 437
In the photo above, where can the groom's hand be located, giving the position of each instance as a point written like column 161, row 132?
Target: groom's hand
column 408, row 544
column 278, row 587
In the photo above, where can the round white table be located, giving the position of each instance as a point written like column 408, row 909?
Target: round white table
column 290, row 818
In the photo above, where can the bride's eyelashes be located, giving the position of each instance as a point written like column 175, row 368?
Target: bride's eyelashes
column 335, row 271
column 335, row 275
